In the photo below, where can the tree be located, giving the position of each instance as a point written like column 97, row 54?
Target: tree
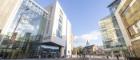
column 74, row 51
column 78, row 50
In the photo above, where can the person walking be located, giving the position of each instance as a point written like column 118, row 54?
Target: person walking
column 117, row 56
column 107, row 57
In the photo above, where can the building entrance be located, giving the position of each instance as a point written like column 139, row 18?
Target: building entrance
column 50, row 50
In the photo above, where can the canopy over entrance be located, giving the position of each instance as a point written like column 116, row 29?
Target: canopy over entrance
column 51, row 44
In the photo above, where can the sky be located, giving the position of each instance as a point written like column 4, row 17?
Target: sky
column 84, row 16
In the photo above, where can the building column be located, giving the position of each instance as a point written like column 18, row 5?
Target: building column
column 112, row 54
column 121, row 53
column 61, row 51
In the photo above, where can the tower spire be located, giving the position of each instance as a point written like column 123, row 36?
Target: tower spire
column 87, row 43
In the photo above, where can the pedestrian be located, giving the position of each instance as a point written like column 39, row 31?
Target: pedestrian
column 117, row 57
column 107, row 57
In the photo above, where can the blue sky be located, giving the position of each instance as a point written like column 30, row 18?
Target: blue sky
column 84, row 16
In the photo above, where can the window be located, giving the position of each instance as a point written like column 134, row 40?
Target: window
column 59, row 34
column 131, row 30
column 59, row 30
column 60, row 19
column 61, row 12
column 126, row 11
column 138, row 25
column 134, row 30
column 108, row 46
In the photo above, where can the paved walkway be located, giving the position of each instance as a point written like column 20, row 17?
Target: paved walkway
column 66, row 59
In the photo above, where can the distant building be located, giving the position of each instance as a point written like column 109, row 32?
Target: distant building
column 89, row 50
column 100, row 50
column 93, row 50
column 128, row 17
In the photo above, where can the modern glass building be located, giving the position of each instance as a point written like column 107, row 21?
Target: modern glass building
column 113, row 40
column 24, row 31
column 113, row 7
column 32, row 31
column 29, row 19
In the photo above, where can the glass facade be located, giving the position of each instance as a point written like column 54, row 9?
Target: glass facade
column 108, row 32
column 59, row 30
column 26, row 31
column 28, row 19
column 113, row 8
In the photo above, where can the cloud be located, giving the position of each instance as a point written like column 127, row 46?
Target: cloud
column 94, row 35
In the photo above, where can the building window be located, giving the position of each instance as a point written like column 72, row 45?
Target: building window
column 59, row 34
column 134, row 30
column 126, row 11
column 108, row 46
column 61, row 12
column 60, row 19
column 59, row 30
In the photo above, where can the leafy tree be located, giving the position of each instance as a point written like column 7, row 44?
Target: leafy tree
column 78, row 50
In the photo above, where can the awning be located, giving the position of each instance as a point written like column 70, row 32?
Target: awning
column 51, row 44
